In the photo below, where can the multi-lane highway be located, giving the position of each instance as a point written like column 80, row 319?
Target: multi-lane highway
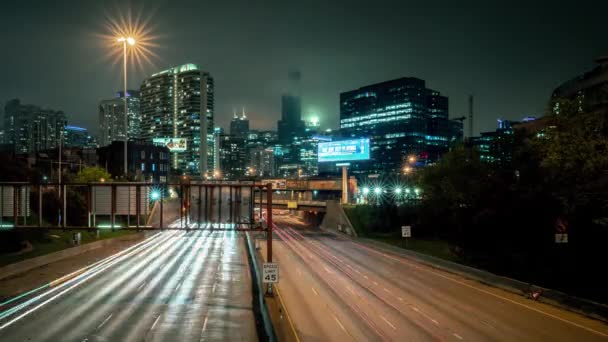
column 174, row 286
column 337, row 289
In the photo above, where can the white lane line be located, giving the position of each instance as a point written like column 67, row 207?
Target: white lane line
column 415, row 309
column 365, row 277
column 327, row 269
column 155, row 321
column 458, row 336
column 375, row 283
column 315, row 291
column 213, row 290
column 178, row 285
column 339, row 323
column 205, row 323
column 487, row 292
column 401, row 299
column 434, row 321
column 104, row 321
column 387, row 322
column 140, row 286
column 350, row 289
column 385, row 289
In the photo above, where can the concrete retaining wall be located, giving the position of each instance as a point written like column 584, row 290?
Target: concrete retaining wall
column 336, row 219
column 28, row 264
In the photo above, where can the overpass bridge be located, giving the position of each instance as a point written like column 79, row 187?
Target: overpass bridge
column 317, row 206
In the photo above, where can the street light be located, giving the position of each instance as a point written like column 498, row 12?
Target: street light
column 377, row 190
column 365, row 191
column 411, row 159
column 397, row 190
column 125, row 41
column 407, row 170
column 155, row 195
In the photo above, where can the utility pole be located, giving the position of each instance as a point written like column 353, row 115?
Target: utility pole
column 471, row 116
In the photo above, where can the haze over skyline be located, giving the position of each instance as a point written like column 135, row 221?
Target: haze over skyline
column 510, row 57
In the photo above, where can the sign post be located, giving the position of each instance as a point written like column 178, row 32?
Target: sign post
column 406, row 233
column 270, row 275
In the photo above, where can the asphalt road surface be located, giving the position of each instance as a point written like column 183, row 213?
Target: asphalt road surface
column 336, row 289
column 174, row 286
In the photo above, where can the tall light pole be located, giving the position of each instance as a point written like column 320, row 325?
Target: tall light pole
column 125, row 41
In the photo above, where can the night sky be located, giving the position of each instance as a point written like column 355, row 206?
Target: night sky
column 511, row 56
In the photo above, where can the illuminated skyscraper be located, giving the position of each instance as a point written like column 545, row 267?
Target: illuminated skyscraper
column 31, row 128
column 112, row 114
column 178, row 103
column 401, row 117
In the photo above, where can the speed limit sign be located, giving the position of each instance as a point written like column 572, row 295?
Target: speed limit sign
column 270, row 272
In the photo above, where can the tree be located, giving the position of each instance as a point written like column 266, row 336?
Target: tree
column 92, row 174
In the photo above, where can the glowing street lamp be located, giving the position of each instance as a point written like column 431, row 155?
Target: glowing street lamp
column 377, row 190
column 155, row 195
column 397, row 190
column 365, row 191
column 407, row 170
column 126, row 41
column 411, row 159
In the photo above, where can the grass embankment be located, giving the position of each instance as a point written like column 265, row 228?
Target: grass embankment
column 55, row 241
column 372, row 223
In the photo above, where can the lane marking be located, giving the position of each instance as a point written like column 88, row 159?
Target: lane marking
column 327, row 269
column 313, row 290
column 434, row 321
column 458, row 336
column 205, row 323
column 155, row 321
column 178, row 285
column 140, row 286
column 385, row 289
column 340, row 324
column 375, row 283
column 104, row 321
column 413, row 264
column 213, row 290
column 387, row 322
column 401, row 299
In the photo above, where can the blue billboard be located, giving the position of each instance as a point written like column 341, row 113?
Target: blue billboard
column 345, row 150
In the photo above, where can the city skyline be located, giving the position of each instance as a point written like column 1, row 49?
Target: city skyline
column 508, row 71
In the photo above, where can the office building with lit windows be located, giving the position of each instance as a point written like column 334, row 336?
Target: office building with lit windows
column 29, row 128
column 178, row 103
column 402, row 118
column 112, row 118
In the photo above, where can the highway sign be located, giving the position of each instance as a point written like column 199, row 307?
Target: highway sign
column 561, row 238
column 406, row 231
column 270, row 272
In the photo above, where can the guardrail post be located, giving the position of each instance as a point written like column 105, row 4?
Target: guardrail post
column 137, row 204
column 162, row 194
column 39, row 205
column 113, row 213
column 15, row 205
column 65, row 205
column 200, row 203
column 268, row 231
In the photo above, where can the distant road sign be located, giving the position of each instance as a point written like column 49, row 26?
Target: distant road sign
column 270, row 272
column 292, row 205
column 406, row 231
column 561, row 238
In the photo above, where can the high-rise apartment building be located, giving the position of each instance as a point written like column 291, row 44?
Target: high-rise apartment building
column 402, row 118
column 178, row 103
column 112, row 118
column 588, row 91
column 261, row 162
column 30, row 128
column 231, row 157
